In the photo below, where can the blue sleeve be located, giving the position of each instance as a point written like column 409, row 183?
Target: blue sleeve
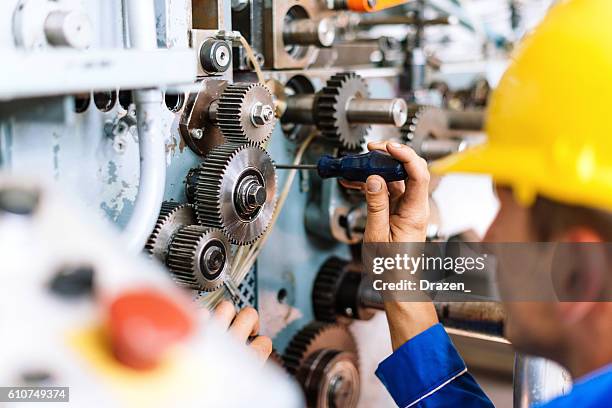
column 427, row 372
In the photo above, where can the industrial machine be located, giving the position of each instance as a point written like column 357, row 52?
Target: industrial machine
column 166, row 119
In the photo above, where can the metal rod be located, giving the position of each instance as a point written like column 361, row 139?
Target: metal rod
column 296, row 166
column 432, row 149
column 537, row 380
column 409, row 20
column 466, row 120
column 304, row 31
column 142, row 35
column 379, row 111
column 299, row 109
column 359, row 110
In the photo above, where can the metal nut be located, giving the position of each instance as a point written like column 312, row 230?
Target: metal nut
column 262, row 114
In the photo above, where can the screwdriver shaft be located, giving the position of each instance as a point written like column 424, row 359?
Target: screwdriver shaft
column 297, row 166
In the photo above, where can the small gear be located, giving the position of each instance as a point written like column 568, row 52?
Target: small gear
column 199, row 258
column 330, row 109
column 245, row 113
column 325, row 289
column 235, row 191
column 335, row 293
column 172, row 216
column 323, row 358
column 424, row 122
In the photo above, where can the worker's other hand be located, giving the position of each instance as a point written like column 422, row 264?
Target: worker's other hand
column 244, row 326
column 397, row 211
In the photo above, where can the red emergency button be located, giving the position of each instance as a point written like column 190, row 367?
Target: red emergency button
column 144, row 324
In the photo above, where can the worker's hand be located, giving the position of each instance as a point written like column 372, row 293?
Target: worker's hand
column 244, row 326
column 399, row 212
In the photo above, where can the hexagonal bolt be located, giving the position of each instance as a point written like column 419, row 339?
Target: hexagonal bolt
column 256, row 196
column 213, row 260
column 262, row 114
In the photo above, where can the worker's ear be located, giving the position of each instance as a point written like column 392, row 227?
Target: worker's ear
column 579, row 272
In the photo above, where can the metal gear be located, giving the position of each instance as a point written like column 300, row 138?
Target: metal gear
column 199, row 258
column 235, row 191
column 336, row 293
column 245, row 113
column 323, row 357
column 423, row 122
column 331, row 109
column 325, row 289
column 172, row 216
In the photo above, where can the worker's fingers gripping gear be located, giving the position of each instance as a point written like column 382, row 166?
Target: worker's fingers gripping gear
column 548, row 123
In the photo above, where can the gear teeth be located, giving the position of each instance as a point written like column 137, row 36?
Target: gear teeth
column 168, row 209
column 325, row 289
column 297, row 348
column 183, row 260
column 181, row 257
column 233, row 105
column 313, row 337
column 209, row 184
column 330, row 110
column 414, row 115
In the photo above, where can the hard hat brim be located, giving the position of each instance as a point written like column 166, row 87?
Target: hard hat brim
column 511, row 166
column 528, row 173
column 487, row 159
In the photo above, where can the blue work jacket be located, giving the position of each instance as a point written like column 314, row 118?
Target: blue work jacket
column 427, row 372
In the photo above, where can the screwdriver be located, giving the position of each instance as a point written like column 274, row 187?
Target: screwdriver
column 356, row 167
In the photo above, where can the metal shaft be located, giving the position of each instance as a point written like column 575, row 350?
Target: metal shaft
column 377, row 111
column 296, row 166
column 300, row 109
column 537, row 380
column 393, row 112
column 321, row 33
column 466, row 120
column 432, row 149
column 409, row 20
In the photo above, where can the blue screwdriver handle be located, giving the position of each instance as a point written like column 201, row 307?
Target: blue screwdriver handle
column 360, row 167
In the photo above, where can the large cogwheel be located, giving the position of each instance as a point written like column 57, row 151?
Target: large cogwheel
column 199, row 258
column 245, row 113
column 235, row 189
column 331, row 109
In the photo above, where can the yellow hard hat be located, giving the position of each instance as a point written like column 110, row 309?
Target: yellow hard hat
column 549, row 122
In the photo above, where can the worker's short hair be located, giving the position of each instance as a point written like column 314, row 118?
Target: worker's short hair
column 551, row 218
